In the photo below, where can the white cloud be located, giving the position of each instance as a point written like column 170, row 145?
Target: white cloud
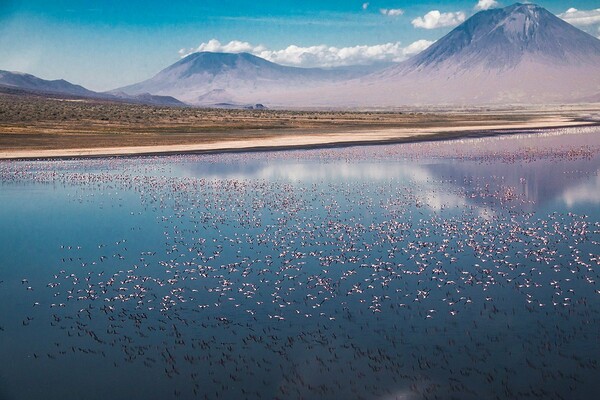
column 392, row 12
column 365, row 6
column 235, row 46
column 320, row 55
column 435, row 19
column 581, row 17
column 486, row 4
column 416, row 47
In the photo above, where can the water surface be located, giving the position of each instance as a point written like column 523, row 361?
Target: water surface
column 464, row 269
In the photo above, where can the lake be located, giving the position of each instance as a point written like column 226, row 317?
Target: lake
column 464, row 269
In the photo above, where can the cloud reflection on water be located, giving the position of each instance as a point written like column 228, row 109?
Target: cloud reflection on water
column 438, row 184
column 586, row 192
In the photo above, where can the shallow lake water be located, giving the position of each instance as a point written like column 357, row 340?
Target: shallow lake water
column 466, row 269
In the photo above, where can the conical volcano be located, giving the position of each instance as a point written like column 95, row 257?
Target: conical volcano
column 521, row 53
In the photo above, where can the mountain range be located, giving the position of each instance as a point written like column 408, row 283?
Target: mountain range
column 32, row 83
column 26, row 84
column 517, row 54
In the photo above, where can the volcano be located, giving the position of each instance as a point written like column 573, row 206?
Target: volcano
column 207, row 78
column 521, row 53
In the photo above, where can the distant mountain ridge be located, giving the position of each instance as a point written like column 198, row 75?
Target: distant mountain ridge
column 29, row 84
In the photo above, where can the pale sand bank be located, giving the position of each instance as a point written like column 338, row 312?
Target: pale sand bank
column 305, row 140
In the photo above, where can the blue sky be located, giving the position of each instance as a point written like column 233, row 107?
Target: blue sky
column 106, row 44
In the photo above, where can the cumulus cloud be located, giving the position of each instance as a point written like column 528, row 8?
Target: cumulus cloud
column 392, row 12
column 416, row 47
column 235, row 46
column 485, row 4
column 581, row 17
column 365, row 6
column 318, row 56
column 435, row 19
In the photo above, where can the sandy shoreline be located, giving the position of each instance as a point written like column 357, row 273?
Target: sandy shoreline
column 298, row 141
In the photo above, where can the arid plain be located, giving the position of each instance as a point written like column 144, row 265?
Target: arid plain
column 38, row 127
